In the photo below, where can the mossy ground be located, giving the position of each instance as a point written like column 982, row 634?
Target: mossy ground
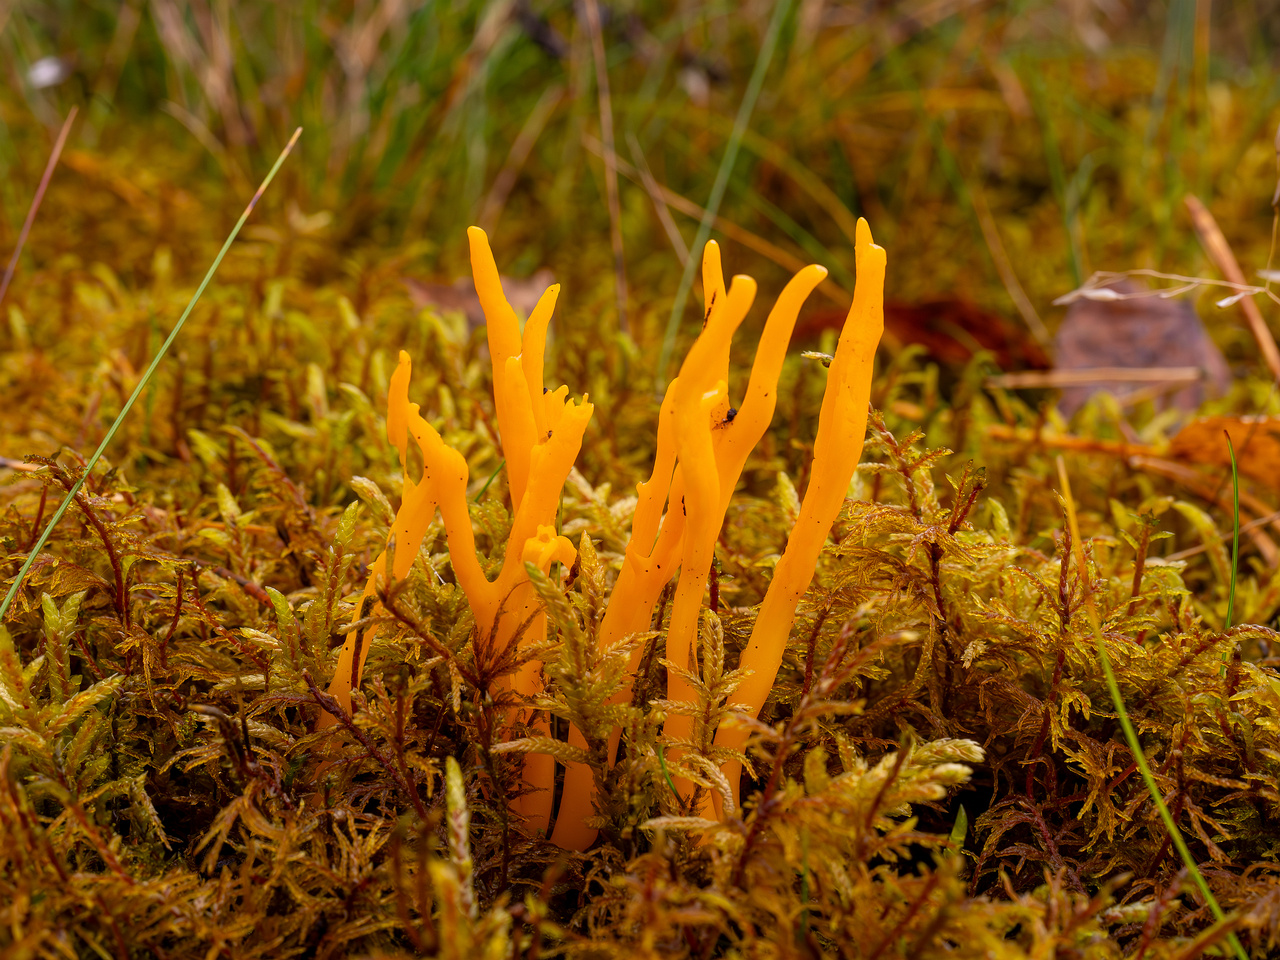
column 940, row 771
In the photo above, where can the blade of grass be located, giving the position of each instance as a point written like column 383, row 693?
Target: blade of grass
column 752, row 241
column 592, row 11
column 146, row 377
column 1130, row 734
column 1170, row 105
column 521, row 147
column 1004, row 266
column 659, row 203
column 1219, row 251
column 788, row 163
column 1057, row 175
column 802, row 237
column 1198, row 91
column 1275, row 215
column 970, row 194
column 36, row 200
column 493, row 476
column 1235, row 538
column 780, row 11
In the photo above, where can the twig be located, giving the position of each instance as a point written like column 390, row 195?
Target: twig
column 828, row 288
column 113, row 554
column 1069, row 378
column 1198, row 484
column 1067, row 441
column 521, row 147
column 1005, row 268
column 660, row 205
column 1244, row 528
column 1098, row 287
column 1144, row 457
column 36, row 200
column 243, row 646
column 1215, row 244
column 908, row 916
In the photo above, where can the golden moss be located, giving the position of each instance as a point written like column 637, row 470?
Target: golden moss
column 936, row 770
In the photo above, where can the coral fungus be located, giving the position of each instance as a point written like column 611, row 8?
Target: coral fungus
column 701, row 451
column 541, row 434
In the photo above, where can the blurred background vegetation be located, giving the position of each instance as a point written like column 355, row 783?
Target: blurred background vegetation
column 995, row 147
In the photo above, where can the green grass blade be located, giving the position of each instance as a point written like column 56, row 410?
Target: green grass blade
column 780, row 11
column 146, row 377
column 493, row 476
column 1235, row 532
column 1057, row 173
column 1131, row 734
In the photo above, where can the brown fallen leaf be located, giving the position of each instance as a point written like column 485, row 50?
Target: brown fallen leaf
column 1256, row 440
column 1137, row 329
column 952, row 331
column 460, row 295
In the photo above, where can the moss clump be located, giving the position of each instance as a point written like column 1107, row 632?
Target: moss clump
column 937, row 771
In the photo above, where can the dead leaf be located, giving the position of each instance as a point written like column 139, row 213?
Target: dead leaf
column 1135, row 328
column 460, row 296
column 1256, row 439
column 952, row 331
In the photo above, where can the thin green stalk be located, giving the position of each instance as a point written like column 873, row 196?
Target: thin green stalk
column 780, row 11
column 1235, row 532
column 662, row 765
column 1130, row 734
column 142, row 384
column 1057, row 174
column 493, row 476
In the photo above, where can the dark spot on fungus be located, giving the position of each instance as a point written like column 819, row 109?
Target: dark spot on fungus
column 728, row 418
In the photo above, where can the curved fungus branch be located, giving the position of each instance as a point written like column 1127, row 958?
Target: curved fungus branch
column 842, row 427
column 695, row 439
column 701, row 452
column 541, row 435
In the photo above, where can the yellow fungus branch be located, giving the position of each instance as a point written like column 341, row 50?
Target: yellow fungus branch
column 701, row 451
column 696, row 438
column 443, row 480
column 842, row 427
column 541, row 436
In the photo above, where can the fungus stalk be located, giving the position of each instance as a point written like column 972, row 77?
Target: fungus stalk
column 697, row 439
column 842, row 427
column 541, row 435
column 701, row 451
column 702, row 447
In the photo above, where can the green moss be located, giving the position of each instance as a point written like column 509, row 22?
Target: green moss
column 939, row 771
